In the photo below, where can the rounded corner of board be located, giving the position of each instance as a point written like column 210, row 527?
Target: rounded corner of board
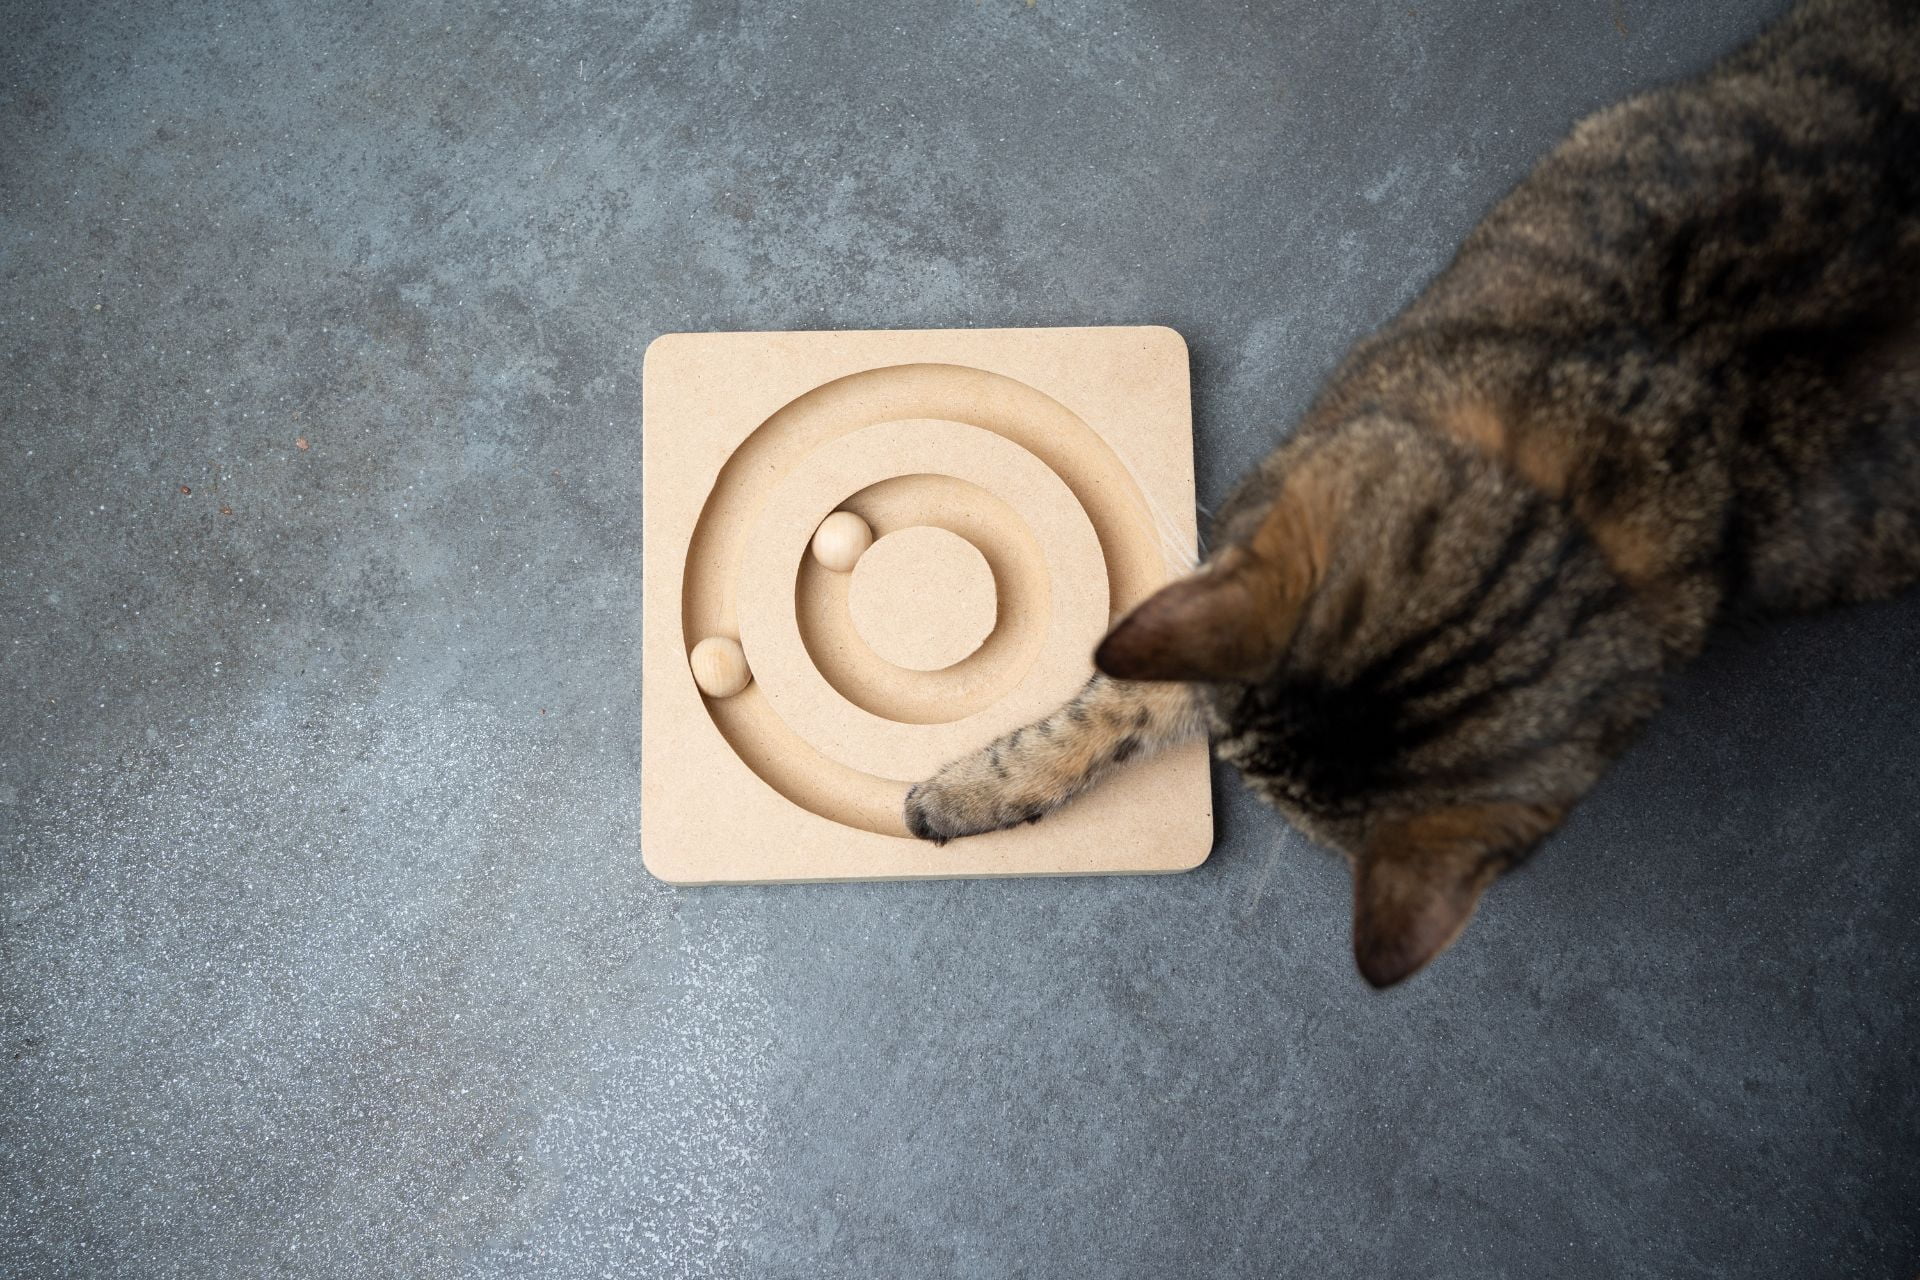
column 666, row 872
column 1171, row 338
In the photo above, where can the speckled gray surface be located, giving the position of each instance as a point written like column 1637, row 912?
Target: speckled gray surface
column 327, row 948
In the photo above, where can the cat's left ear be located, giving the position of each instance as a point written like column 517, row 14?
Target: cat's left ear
column 1231, row 620
column 1418, row 880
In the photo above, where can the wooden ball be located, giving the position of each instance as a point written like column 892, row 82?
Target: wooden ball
column 841, row 539
column 719, row 666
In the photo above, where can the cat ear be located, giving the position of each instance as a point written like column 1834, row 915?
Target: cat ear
column 1417, row 882
column 1203, row 627
column 1233, row 619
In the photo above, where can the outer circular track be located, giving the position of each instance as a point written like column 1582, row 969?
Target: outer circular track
column 717, row 568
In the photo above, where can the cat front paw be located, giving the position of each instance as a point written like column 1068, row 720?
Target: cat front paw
column 965, row 799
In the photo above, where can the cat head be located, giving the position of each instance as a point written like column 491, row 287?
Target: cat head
column 1415, row 654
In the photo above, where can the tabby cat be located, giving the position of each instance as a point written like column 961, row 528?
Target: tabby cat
column 1672, row 378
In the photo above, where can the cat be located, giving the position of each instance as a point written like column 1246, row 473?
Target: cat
column 1673, row 378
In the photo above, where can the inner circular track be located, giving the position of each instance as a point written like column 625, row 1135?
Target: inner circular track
column 929, row 697
column 1124, row 523
column 1069, row 564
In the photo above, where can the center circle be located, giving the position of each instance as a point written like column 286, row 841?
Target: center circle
column 922, row 598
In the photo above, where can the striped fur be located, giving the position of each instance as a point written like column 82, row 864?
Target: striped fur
column 1673, row 378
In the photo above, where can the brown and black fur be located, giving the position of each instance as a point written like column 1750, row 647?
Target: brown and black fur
column 1673, row 378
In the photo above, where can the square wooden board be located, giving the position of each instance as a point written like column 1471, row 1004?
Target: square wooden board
column 1064, row 455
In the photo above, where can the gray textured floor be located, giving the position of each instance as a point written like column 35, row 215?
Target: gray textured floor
column 328, row 951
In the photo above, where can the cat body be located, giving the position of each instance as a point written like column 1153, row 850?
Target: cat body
column 1672, row 378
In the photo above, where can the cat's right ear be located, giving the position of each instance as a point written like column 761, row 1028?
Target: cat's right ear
column 1232, row 620
column 1418, row 880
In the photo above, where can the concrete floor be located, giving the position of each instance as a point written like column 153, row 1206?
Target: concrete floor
column 328, row 951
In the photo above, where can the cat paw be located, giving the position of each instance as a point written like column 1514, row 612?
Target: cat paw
column 952, row 804
column 933, row 813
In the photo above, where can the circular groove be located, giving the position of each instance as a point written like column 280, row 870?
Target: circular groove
column 769, row 624
column 1136, row 561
